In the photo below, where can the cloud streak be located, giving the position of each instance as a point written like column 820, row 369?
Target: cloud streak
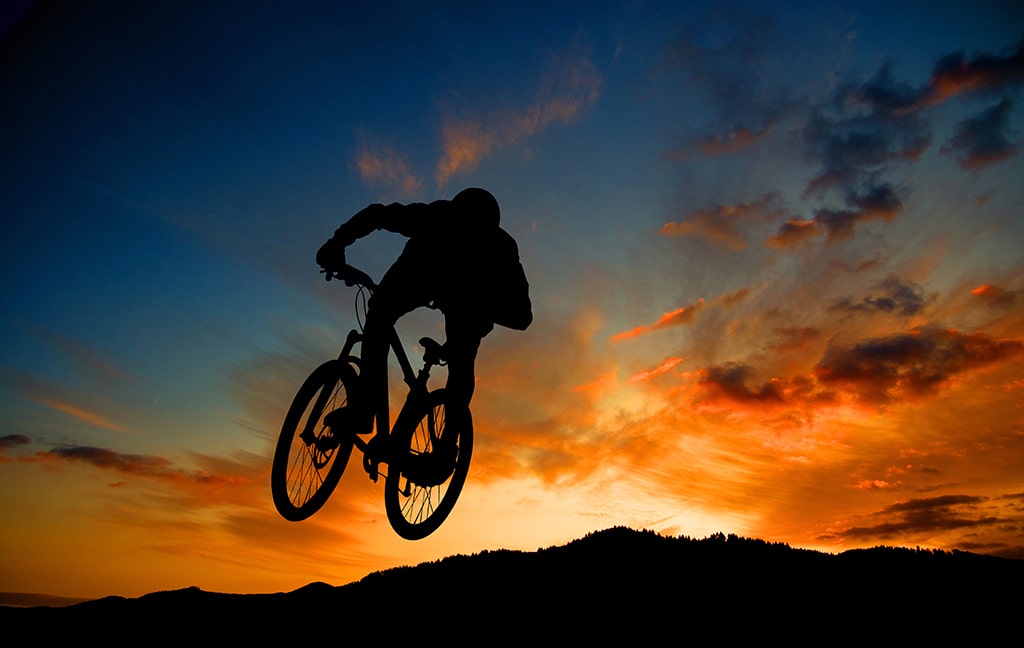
column 678, row 317
column 570, row 86
column 385, row 167
column 131, row 464
column 983, row 140
column 941, row 514
column 721, row 226
column 910, row 365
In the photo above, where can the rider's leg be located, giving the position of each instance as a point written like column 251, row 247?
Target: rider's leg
column 463, row 333
column 396, row 295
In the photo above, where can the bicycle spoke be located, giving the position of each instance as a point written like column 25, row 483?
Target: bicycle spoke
column 310, row 457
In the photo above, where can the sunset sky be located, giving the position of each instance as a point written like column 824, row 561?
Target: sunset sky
column 775, row 254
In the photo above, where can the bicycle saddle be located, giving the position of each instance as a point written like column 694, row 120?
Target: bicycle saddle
column 433, row 351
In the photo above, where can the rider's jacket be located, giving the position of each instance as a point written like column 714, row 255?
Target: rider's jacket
column 461, row 262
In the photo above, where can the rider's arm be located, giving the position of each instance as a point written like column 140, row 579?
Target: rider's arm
column 407, row 220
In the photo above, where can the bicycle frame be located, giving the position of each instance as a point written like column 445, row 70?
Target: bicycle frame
column 427, row 458
column 414, row 401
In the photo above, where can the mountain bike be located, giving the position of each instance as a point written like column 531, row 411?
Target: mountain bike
column 426, row 460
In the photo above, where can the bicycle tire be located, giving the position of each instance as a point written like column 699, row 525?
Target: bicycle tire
column 305, row 473
column 415, row 511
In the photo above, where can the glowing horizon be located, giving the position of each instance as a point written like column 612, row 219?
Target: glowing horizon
column 774, row 261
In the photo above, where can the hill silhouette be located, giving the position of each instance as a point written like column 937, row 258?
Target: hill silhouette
column 616, row 584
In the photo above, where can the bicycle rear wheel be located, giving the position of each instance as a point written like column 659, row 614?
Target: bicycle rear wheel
column 311, row 457
column 422, row 485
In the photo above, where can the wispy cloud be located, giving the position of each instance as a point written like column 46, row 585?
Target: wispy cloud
column 677, row 317
column 129, row 464
column 668, row 365
column 910, row 365
column 385, row 167
column 570, row 85
column 735, row 77
column 720, row 226
column 82, row 414
column 983, row 140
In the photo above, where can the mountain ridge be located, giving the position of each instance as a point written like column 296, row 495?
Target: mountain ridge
column 617, row 581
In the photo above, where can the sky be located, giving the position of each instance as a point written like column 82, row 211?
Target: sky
column 773, row 248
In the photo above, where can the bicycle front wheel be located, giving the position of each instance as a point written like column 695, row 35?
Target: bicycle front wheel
column 310, row 456
column 425, row 480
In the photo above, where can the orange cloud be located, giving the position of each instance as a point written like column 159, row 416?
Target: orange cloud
column 85, row 416
column 720, row 226
column 677, row 317
column 570, row 85
column 993, row 295
column 465, row 143
column 793, row 233
column 729, row 300
column 736, row 139
column 795, row 338
column 386, row 167
column 664, row 367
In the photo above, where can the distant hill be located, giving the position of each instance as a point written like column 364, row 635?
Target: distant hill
column 617, row 584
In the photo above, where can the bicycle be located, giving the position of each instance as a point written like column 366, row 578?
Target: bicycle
column 424, row 477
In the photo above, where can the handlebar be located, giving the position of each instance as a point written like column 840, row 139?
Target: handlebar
column 351, row 276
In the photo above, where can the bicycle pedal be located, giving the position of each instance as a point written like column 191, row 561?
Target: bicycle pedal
column 372, row 468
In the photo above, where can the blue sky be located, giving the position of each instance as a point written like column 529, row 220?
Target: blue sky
column 773, row 250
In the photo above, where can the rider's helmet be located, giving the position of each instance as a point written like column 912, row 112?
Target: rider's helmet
column 479, row 207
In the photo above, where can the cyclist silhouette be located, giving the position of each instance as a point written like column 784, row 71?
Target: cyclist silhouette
column 457, row 259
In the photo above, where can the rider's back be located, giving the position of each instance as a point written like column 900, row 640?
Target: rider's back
column 457, row 255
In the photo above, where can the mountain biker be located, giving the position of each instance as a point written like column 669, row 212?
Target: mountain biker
column 457, row 259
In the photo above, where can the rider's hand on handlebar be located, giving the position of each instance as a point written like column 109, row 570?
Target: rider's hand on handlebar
column 331, row 257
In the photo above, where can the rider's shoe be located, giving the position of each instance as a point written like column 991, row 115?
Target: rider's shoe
column 346, row 418
column 339, row 418
column 376, row 448
column 435, row 466
column 446, row 448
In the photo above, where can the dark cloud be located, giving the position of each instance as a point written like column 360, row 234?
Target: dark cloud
column 953, row 74
column 132, row 464
column 867, row 128
column 739, row 78
column 878, row 202
column 851, row 149
column 108, row 459
column 911, row 364
column 726, row 385
column 944, row 513
column 730, row 381
column 983, row 140
column 957, row 74
column 892, row 296
column 13, row 440
column 884, row 94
